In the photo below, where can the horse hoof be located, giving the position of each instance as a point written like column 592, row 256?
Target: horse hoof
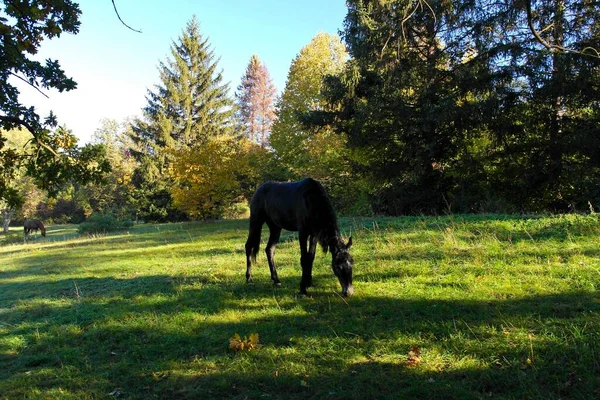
column 249, row 282
column 277, row 284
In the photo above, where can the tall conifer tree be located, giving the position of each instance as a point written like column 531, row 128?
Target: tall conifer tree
column 188, row 108
column 191, row 103
column 256, row 97
column 455, row 105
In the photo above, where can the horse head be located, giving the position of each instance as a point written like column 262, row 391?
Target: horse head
column 342, row 264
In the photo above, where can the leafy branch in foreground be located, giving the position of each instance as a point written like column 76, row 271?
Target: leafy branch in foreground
column 52, row 160
column 51, row 155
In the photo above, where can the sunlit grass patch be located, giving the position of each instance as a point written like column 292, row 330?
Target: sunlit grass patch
column 445, row 307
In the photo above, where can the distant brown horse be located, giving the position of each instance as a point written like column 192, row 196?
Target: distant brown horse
column 34, row 225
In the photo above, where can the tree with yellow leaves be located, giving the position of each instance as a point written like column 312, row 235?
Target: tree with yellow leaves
column 207, row 176
column 316, row 152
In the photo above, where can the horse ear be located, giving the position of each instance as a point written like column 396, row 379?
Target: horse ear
column 349, row 243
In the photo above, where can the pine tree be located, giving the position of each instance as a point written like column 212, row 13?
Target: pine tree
column 398, row 99
column 256, row 97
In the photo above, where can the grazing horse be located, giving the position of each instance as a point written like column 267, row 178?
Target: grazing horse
column 34, row 225
column 303, row 207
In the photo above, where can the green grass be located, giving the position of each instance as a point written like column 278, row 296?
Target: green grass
column 498, row 306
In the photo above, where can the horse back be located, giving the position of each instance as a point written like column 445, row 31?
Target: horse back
column 293, row 206
column 34, row 224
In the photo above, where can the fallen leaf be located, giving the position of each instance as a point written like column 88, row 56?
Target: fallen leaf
column 414, row 357
column 253, row 341
column 237, row 343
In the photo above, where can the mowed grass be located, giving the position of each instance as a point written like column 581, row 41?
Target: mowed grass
column 464, row 307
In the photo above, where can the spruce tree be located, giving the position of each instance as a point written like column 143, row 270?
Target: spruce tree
column 455, row 106
column 191, row 103
column 401, row 101
column 189, row 107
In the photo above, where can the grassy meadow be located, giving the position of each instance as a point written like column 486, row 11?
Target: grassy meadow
column 456, row 307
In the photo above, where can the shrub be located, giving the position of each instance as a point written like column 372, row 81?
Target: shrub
column 237, row 211
column 99, row 223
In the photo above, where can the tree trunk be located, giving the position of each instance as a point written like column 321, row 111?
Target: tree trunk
column 555, row 150
column 7, row 216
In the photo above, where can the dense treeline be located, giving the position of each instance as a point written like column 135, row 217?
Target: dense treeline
column 472, row 105
column 420, row 107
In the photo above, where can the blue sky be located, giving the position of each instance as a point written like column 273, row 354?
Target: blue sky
column 114, row 66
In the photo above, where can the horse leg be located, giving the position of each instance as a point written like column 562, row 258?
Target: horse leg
column 312, row 249
column 252, row 245
column 305, row 262
column 275, row 232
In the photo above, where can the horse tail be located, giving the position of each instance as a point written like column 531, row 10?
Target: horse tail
column 256, row 223
column 253, row 242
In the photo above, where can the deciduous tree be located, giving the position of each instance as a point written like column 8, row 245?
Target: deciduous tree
column 115, row 195
column 53, row 157
column 207, row 178
column 303, row 151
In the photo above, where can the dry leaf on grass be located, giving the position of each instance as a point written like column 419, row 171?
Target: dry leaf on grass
column 414, row 357
column 237, row 343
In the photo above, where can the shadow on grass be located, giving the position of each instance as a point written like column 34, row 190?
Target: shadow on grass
column 167, row 337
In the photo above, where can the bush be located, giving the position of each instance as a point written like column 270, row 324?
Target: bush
column 237, row 211
column 98, row 223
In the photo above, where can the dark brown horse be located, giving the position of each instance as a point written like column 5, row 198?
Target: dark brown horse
column 303, row 207
column 34, row 225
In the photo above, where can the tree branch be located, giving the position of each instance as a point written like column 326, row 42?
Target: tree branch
column 553, row 47
column 30, row 84
column 18, row 121
column 118, row 16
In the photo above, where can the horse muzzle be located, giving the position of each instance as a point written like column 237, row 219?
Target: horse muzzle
column 348, row 290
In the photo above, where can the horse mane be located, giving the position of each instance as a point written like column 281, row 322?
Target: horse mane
column 324, row 221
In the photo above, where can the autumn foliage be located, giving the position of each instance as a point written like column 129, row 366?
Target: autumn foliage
column 207, row 176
